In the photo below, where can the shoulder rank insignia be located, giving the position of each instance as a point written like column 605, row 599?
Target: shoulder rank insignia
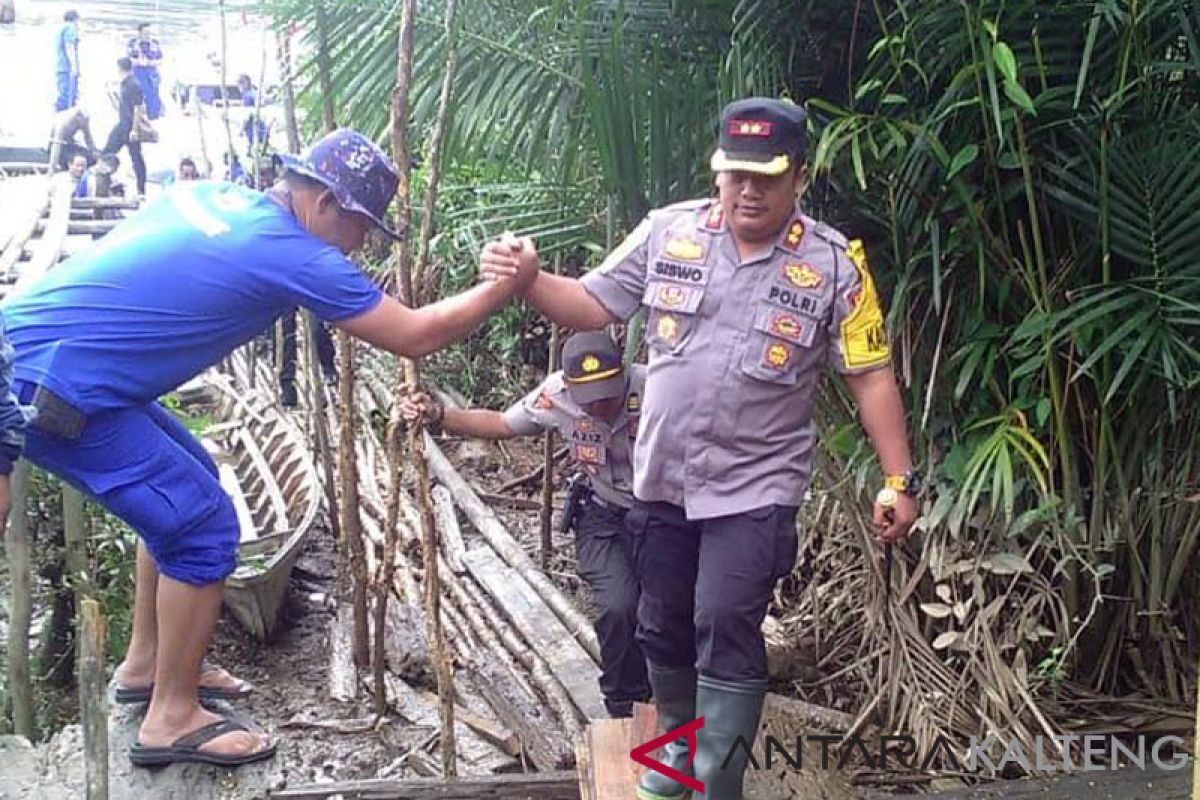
column 715, row 218
column 684, row 249
column 802, row 276
column 795, row 233
column 634, row 403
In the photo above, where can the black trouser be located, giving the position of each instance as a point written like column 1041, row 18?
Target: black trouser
column 118, row 138
column 606, row 565
column 285, row 355
column 706, row 584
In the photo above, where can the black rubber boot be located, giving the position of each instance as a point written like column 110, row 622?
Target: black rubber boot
column 674, row 691
column 730, row 709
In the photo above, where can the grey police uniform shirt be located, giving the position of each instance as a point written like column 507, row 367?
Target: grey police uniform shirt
column 604, row 450
column 735, row 352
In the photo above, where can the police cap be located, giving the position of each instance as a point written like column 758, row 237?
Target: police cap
column 592, row 367
column 760, row 134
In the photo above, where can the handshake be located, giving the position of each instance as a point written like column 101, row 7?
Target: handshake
column 510, row 258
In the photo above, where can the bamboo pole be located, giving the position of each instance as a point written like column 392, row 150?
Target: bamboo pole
column 224, row 94
column 547, row 512
column 411, row 372
column 19, row 569
column 76, row 540
column 353, row 556
column 93, row 697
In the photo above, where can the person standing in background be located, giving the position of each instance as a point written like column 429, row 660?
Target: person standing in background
column 66, row 54
column 146, row 54
column 64, row 145
column 122, row 135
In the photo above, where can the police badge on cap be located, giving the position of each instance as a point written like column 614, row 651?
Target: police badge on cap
column 760, row 135
column 592, row 367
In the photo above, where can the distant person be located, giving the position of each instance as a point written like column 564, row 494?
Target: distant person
column 64, row 132
column 146, row 54
column 77, row 169
column 66, row 53
column 234, row 171
column 8, row 12
column 188, row 170
column 255, row 129
column 132, row 103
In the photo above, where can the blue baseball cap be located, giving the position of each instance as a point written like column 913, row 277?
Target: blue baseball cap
column 360, row 175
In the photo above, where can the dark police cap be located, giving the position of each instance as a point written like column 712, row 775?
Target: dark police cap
column 592, row 367
column 760, row 134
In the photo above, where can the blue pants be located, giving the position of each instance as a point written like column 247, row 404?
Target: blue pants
column 68, row 91
column 142, row 465
column 148, row 78
column 606, row 565
column 706, row 584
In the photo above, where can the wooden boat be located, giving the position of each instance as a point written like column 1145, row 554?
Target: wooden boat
column 267, row 470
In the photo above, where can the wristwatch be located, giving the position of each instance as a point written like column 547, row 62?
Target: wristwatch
column 909, row 483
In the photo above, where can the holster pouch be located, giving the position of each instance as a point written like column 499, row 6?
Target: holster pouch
column 56, row 416
column 578, row 487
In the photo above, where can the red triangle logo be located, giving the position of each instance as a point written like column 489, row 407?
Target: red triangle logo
column 641, row 754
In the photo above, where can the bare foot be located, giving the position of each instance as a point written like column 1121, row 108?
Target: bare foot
column 234, row 743
column 212, row 676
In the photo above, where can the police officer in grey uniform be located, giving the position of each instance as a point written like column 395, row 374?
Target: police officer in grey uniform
column 747, row 299
column 594, row 404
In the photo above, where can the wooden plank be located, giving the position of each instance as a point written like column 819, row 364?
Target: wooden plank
column 20, row 570
column 104, row 202
column 447, row 524
column 25, row 220
column 614, row 775
column 518, row 708
column 93, row 698
column 229, row 482
column 548, row 637
column 491, row 732
column 476, row 754
column 549, row 786
column 489, row 526
column 46, row 251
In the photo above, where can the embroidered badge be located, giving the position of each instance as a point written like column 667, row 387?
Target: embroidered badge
column 787, row 326
column 588, row 454
column 667, row 328
column 777, row 356
column 684, row 249
column 590, row 363
column 634, row 403
column 672, row 296
column 802, row 276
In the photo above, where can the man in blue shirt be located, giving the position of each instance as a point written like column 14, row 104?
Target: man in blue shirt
column 66, row 54
column 198, row 272
column 146, row 54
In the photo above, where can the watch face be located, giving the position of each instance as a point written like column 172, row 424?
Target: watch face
column 912, row 483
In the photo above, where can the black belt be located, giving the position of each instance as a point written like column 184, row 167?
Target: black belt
column 607, row 504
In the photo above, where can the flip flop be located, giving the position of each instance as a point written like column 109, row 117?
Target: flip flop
column 126, row 695
column 187, row 748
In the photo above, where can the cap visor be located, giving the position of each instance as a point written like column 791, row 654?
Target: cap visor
column 745, row 162
column 582, row 393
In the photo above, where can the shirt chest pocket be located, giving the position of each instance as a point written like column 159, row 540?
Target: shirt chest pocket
column 778, row 341
column 673, row 315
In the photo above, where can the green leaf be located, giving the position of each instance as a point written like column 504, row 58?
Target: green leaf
column 962, row 159
column 1014, row 92
column 867, row 87
column 1043, row 412
column 1006, row 62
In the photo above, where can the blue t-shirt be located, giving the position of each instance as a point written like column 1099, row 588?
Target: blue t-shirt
column 68, row 40
column 199, row 271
